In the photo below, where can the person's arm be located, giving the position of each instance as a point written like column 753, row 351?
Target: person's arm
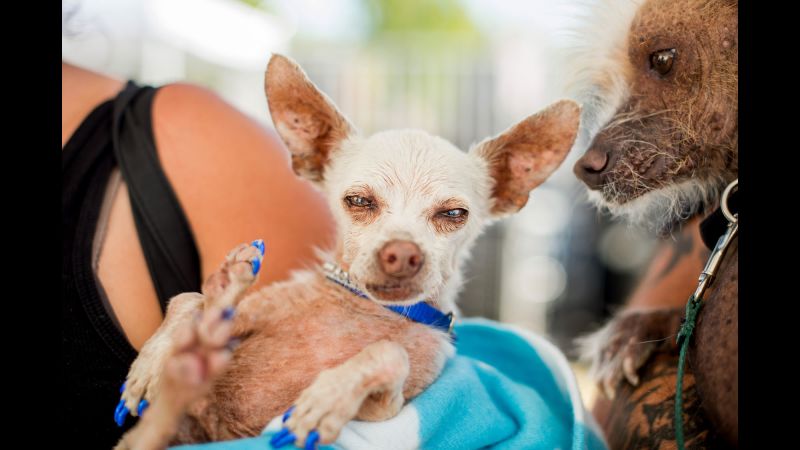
column 672, row 275
column 668, row 282
column 232, row 177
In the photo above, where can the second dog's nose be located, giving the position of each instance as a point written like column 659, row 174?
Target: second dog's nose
column 400, row 259
column 589, row 168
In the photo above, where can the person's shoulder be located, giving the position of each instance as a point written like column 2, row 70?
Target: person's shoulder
column 201, row 111
column 182, row 97
column 81, row 91
column 234, row 180
column 194, row 121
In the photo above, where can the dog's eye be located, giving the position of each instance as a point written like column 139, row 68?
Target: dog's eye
column 457, row 213
column 358, row 201
column 661, row 61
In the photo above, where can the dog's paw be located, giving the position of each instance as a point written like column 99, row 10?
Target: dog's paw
column 144, row 378
column 320, row 413
column 179, row 369
column 236, row 274
column 619, row 349
column 204, row 334
column 201, row 353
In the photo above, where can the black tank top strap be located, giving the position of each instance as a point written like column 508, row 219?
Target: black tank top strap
column 87, row 163
column 164, row 232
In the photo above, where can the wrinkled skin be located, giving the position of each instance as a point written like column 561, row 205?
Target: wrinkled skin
column 664, row 154
column 673, row 127
column 682, row 124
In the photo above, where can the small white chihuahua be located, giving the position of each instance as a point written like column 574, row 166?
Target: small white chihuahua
column 369, row 328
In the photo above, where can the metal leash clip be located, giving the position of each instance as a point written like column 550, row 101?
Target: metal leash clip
column 714, row 260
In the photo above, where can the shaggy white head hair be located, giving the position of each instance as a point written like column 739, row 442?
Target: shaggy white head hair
column 596, row 63
column 659, row 210
column 598, row 72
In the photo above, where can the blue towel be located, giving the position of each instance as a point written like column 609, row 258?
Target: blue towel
column 505, row 388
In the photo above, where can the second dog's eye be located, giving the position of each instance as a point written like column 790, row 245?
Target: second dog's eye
column 661, row 61
column 357, row 200
column 457, row 213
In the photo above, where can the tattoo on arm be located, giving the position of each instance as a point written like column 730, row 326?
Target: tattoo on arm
column 682, row 247
column 643, row 416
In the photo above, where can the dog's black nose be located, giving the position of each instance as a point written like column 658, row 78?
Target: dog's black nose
column 591, row 167
column 400, row 259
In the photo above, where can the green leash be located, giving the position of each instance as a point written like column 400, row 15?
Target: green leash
column 693, row 308
column 695, row 304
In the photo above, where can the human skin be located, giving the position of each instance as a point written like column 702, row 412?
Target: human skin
column 651, row 317
column 220, row 163
column 636, row 414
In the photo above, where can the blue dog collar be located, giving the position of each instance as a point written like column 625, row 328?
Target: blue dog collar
column 418, row 312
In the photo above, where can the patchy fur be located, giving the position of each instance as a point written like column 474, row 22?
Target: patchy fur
column 596, row 63
column 675, row 132
column 658, row 81
column 314, row 344
column 525, row 155
column 304, row 117
column 658, row 210
column 326, row 326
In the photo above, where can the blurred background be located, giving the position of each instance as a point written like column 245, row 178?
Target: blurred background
column 461, row 69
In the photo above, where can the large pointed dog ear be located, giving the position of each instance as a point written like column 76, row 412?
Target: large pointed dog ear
column 306, row 119
column 524, row 156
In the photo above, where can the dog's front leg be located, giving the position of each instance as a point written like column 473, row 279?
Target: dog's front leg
column 200, row 354
column 177, row 365
column 222, row 290
column 369, row 386
column 619, row 349
column 143, row 382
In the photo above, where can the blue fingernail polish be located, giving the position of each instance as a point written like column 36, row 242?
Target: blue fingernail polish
column 118, row 409
column 142, row 406
column 288, row 413
column 278, row 436
column 227, row 313
column 256, row 265
column 123, row 414
column 122, row 388
column 311, row 440
column 288, row 438
column 259, row 244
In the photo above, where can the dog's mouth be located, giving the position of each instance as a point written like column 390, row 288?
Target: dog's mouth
column 622, row 174
column 393, row 292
